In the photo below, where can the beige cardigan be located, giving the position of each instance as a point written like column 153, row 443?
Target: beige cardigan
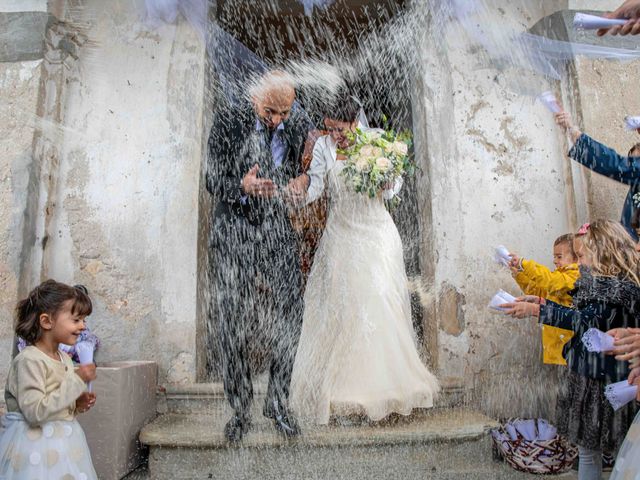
column 41, row 388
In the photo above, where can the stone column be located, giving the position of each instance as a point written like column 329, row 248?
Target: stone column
column 22, row 29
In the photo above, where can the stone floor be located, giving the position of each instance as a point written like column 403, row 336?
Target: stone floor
column 143, row 474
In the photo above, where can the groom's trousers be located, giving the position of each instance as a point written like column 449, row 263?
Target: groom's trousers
column 257, row 275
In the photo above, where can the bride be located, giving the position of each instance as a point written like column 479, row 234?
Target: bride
column 357, row 353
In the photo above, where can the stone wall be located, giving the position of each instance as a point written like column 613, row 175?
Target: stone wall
column 497, row 175
column 119, row 167
column 109, row 133
column 19, row 88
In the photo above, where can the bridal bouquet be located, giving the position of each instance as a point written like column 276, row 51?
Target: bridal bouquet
column 376, row 159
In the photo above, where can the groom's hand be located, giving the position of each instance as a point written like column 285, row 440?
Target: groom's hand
column 258, row 187
column 296, row 190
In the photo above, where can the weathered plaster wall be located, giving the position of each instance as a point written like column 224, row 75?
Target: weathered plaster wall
column 602, row 112
column 119, row 148
column 19, row 82
column 122, row 205
column 497, row 177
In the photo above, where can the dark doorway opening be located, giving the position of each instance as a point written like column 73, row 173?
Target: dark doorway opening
column 278, row 32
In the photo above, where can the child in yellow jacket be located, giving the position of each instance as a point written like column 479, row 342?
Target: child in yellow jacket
column 536, row 279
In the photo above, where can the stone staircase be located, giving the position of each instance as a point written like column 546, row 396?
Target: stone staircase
column 447, row 442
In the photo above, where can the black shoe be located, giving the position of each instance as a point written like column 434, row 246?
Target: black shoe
column 284, row 422
column 608, row 461
column 236, row 427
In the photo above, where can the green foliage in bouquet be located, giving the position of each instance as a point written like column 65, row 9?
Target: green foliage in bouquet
column 375, row 159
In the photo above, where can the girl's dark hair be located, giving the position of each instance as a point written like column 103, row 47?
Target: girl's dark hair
column 635, row 147
column 344, row 106
column 48, row 297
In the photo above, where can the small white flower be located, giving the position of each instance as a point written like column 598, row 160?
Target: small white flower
column 362, row 164
column 383, row 163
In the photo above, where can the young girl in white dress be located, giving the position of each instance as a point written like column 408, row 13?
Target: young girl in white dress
column 357, row 353
column 39, row 435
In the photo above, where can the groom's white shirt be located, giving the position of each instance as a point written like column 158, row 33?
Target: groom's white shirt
column 324, row 157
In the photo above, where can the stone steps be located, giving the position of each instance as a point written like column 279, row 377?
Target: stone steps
column 437, row 444
column 186, row 442
column 209, row 398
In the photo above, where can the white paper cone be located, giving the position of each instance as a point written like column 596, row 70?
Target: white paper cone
column 85, row 352
column 500, row 298
column 546, row 431
column 585, row 21
column 527, row 428
column 597, row 341
column 620, row 393
column 511, row 431
column 632, row 123
column 502, row 255
column 549, row 100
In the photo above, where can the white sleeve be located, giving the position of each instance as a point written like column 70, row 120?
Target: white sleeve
column 317, row 171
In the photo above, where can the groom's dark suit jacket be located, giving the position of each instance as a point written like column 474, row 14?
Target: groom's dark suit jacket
column 234, row 147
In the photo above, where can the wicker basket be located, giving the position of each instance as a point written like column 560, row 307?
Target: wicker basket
column 533, row 456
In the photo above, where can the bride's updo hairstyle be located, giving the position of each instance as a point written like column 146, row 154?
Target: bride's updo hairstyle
column 344, row 106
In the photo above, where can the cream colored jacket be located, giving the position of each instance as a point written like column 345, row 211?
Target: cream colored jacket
column 41, row 388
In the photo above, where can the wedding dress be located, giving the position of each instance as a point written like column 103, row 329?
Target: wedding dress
column 357, row 352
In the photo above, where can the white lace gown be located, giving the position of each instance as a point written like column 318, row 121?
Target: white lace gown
column 357, row 351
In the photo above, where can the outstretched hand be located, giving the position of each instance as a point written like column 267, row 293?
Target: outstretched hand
column 521, row 309
column 514, row 263
column 563, row 119
column 630, row 10
column 627, row 346
column 258, row 187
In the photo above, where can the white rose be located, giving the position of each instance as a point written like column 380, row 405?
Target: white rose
column 383, row 163
column 376, row 152
column 367, row 151
column 400, row 148
column 362, row 163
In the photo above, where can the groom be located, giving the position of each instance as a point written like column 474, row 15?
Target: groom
column 253, row 174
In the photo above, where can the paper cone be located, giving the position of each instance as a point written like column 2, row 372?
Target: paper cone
column 85, row 354
column 499, row 298
column 620, row 393
column 597, row 341
column 632, row 123
column 585, row 21
column 549, row 100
